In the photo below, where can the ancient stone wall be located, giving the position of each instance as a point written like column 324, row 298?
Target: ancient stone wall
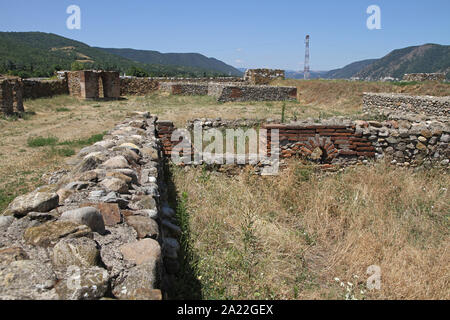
column 238, row 92
column 137, row 86
column 404, row 142
column 263, row 76
column 18, row 92
column 110, row 84
column 34, row 88
column 92, row 84
column 6, row 97
column 187, row 89
column 424, row 77
column 437, row 106
column 340, row 141
column 73, row 83
column 102, row 230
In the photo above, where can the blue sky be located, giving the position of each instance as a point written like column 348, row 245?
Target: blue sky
column 245, row 33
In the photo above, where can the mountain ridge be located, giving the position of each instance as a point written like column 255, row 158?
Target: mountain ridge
column 39, row 54
column 196, row 60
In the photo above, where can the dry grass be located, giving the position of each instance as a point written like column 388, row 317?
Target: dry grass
column 288, row 237
column 345, row 97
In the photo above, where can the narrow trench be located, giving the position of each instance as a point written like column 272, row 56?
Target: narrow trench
column 185, row 284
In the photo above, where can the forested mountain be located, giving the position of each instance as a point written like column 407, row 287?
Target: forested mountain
column 426, row 58
column 38, row 54
column 194, row 60
column 349, row 70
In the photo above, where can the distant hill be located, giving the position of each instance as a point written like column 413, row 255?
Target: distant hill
column 426, row 58
column 195, row 60
column 349, row 70
column 38, row 54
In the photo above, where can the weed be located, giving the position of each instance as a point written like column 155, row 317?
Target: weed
column 42, row 142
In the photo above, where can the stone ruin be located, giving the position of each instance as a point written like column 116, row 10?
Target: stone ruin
column 11, row 95
column 91, row 84
column 424, row 77
column 108, row 218
column 104, row 229
column 263, row 76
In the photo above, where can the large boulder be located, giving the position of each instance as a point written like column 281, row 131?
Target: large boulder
column 35, row 201
column 81, row 252
column 27, row 280
column 88, row 216
column 48, row 234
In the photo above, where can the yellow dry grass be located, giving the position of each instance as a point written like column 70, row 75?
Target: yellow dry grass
column 346, row 96
column 289, row 237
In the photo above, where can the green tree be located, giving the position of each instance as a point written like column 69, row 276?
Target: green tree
column 77, row 66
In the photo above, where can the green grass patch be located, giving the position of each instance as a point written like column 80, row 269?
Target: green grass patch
column 42, row 142
column 62, row 109
column 67, row 152
column 83, row 142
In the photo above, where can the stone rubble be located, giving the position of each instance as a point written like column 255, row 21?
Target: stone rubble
column 101, row 230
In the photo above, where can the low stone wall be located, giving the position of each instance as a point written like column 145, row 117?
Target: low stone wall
column 138, row 86
column 236, row 92
column 187, row 89
column 263, row 76
column 102, row 230
column 437, row 106
column 339, row 141
column 403, row 142
column 199, row 80
column 33, row 88
column 424, row 77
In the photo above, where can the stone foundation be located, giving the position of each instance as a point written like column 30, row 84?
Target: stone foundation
column 102, row 230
